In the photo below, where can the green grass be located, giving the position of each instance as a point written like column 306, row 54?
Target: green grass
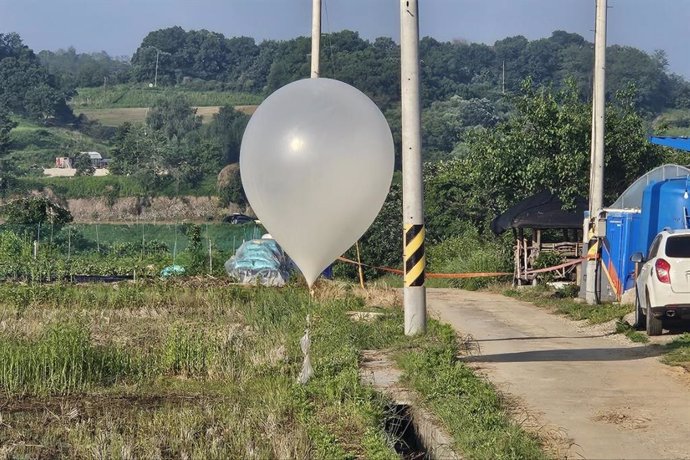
column 626, row 329
column 62, row 360
column 35, row 146
column 674, row 122
column 559, row 302
column 678, row 352
column 467, row 405
column 115, row 117
column 203, row 369
column 131, row 96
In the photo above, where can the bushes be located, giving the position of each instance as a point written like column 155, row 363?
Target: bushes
column 467, row 253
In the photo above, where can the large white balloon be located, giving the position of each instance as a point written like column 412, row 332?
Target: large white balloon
column 316, row 163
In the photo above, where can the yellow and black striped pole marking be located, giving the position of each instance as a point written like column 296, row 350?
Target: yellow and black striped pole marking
column 413, row 253
column 593, row 243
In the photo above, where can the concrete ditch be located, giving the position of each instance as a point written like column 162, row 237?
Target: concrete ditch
column 416, row 432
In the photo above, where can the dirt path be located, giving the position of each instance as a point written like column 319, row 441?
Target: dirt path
column 603, row 397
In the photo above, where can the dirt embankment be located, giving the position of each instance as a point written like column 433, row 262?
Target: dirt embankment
column 148, row 209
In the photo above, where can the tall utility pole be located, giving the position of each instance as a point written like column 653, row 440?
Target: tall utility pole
column 315, row 38
column 413, row 187
column 155, row 78
column 596, row 194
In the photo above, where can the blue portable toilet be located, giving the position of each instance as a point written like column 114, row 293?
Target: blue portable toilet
column 653, row 202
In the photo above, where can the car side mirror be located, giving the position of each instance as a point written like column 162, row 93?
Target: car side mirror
column 637, row 257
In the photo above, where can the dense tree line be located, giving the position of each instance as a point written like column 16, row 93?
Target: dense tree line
column 26, row 87
column 209, row 60
column 84, row 69
column 173, row 145
column 468, row 70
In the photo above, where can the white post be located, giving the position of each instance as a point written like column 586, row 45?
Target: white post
column 596, row 198
column 315, row 38
column 413, row 187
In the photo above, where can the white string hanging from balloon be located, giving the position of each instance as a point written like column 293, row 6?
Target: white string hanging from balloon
column 305, row 344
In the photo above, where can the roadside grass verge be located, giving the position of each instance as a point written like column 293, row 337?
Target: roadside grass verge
column 466, row 404
column 562, row 303
column 678, row 352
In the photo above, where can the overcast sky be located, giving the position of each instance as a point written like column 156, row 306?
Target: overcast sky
column 118, row 26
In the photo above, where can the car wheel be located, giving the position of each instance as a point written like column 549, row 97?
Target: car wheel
column 640, row 317
column 654, row 325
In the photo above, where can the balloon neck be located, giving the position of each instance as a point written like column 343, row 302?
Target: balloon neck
column 311, row 292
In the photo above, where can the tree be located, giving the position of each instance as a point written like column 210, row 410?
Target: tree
column 36, row 211
column 225, row 132
column 545, row 144
column 174, row 117
column 445, row 123
column 82, row 163
column 7, row 166
column 6, row 125
column 229, row 186
column 26, row 87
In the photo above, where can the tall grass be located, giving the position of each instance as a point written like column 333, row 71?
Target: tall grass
column 470, row 253
column 467, row 405
column 203, row 369
column 61, row 361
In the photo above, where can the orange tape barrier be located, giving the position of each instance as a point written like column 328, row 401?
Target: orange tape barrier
column 471, row 275
column 428, row 275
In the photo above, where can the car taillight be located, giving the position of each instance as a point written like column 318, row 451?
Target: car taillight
column 663, row 271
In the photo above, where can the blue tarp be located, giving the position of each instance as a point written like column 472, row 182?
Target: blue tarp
column 680, row 143
column 172, row 270
column 260, row 261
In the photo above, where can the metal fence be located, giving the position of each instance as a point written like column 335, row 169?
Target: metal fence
column 100, row 248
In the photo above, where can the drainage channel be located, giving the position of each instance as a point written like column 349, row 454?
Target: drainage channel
column 401, row 428
column 414, row 431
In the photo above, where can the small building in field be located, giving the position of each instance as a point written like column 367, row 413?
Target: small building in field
column 97, row 160
column 63, row 162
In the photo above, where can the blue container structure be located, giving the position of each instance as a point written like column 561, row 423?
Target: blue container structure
column 647, row 207
column 621, row 232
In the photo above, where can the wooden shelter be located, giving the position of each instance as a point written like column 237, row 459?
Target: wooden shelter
column 540, row 224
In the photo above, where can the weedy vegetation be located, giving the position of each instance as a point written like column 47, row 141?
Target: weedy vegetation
column 563, row 302
column 200, row 368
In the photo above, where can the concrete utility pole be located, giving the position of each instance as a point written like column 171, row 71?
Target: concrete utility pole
column 413, row 187
column 155, row 78
column 315, row 38
column 596, row 196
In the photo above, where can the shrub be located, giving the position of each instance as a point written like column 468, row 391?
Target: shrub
column 469, row 253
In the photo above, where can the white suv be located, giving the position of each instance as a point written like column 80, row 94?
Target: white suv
column 663, row 282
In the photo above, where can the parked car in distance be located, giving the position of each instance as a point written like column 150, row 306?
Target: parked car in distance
column 663, row 282
column 238, row 218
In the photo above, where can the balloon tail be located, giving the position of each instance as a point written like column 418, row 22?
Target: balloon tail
column 305, row 344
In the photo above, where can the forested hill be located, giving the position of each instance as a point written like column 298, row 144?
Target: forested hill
column 209, row 60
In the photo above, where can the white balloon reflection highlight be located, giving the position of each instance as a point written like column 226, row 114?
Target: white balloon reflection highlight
column 316, row 163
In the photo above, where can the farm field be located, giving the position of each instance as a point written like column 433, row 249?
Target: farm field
column 115, row 117
column 223, row 237
column 132, row 96
column 199, row 368
column 34, row 146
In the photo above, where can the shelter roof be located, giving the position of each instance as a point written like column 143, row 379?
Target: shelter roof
column 542, row 211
